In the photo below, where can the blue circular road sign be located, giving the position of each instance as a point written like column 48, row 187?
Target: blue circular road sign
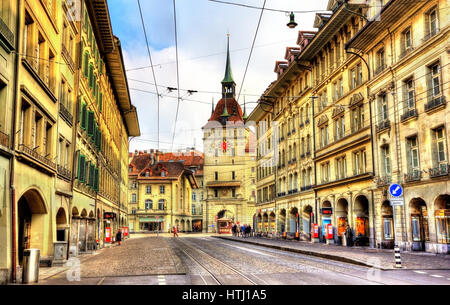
column 396, row 190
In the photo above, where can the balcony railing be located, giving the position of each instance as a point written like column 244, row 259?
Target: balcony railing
column 386, row 124
column 306, row 188
column 441, row 170
column 435, row 103
column 383, row 181
column 65, row 113
column 64, row 172
column 406, row 52
column 379, row 69
column 4, row 139
column 7, row 34
column 430, row 35
column 35, row 155
column 411, row 113
column 68, row 57
column 415, row 175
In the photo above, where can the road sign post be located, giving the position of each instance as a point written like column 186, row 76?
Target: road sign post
column 396, row 198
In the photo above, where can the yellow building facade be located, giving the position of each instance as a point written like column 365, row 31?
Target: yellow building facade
column 378, row 115
column 8, row 45
column 106, row 119
column 230, row 163
column 42, row 91
column 160, row 194
column 409, row 64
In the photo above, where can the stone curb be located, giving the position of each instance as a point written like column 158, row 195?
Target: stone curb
column 310, row 253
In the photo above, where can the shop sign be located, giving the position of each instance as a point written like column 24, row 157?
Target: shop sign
column 326, row 211
column 316, row 231
column 107, row 235
column 400, row 201
column 329, row 231
column 109, row 215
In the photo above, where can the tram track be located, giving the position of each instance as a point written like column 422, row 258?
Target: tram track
column 220, row 278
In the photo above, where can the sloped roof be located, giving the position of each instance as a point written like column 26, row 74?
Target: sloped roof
column 233, row 108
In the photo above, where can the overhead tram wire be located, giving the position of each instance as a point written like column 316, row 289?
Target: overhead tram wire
column 268, row 9
column 178, row 71
column 251, row 51
column 151, row 62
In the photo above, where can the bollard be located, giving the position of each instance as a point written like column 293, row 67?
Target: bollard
column 398, row 258
column 30, row 266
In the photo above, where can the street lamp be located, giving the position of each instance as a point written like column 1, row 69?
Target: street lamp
column 292, row 24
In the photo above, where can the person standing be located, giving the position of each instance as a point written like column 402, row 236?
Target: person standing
column 119, row 236
column 175, row 231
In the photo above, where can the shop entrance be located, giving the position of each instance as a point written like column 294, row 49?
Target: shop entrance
column 307, row 222
column 419, row 224
column 282, row 221
column 388, row 225
column 31, row 219
column 342, row 218
column 293, row 222
column 361, row 211
column 442, row 215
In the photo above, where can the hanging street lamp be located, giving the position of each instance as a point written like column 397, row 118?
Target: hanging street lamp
column 292, row 24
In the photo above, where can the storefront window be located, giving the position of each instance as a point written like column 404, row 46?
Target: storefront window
column 388, row 226
column 443, row 229
column 416, row 228
column 342, row 225
column 362, row 226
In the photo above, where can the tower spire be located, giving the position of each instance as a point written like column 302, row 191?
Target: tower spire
column 228, row 73
column 228, row 84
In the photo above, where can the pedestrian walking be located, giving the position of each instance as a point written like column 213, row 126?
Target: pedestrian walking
column 119, row 236
column 249, row 231
column 233, row 229
column 175, row 231
column 243, row 230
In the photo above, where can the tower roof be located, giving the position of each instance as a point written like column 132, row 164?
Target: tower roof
column 228, row 74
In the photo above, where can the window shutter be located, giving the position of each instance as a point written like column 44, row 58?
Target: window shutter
column 82, row 168
column 86, row 64
column 96, row 180
column 90, row 123
column 77, row 165
column 83, row 116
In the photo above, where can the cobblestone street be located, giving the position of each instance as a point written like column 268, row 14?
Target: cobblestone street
column 206, row 260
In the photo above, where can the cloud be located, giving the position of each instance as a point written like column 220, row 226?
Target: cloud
column 202, row 28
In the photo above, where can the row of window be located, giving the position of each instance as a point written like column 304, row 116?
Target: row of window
column 438, row 153
column 87, row 172
column 89, row 124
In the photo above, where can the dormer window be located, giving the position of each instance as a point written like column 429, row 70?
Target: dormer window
column 163, row 174
column 147, row 174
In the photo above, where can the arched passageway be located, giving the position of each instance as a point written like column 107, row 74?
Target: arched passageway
column 31, row 213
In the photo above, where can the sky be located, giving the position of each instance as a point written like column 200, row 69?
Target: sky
column 202, row 28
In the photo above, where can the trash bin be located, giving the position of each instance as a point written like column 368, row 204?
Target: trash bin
column 30, row 266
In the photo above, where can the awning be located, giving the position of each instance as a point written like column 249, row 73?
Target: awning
column 152, row 219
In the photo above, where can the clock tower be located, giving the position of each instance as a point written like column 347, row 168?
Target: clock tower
column 230, row 162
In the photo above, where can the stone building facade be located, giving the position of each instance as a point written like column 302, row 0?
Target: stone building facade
column 377, row 90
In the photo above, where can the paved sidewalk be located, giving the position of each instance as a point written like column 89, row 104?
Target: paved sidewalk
column 140, row 255
column 378, row 258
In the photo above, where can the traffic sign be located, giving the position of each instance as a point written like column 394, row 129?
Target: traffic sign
column 396, row 190
column 398, row 201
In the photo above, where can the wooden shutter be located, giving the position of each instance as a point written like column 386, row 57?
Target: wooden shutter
column 90, row 123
